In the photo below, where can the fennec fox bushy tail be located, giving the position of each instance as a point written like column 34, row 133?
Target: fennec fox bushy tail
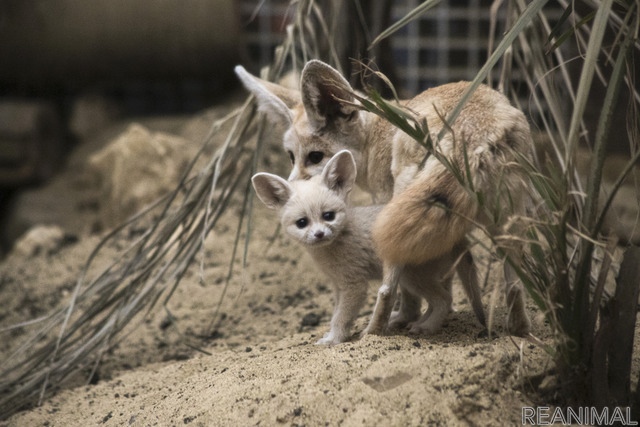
column 316, row 212
column 428, row 212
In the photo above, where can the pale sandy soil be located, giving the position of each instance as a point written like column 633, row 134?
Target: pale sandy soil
column 263, row 368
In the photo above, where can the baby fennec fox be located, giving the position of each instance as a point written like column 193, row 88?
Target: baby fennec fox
column 338, row 237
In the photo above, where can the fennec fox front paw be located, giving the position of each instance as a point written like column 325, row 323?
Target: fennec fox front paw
column 430, row 323
column 331, row 339
column 398, row 320
column 373, row 330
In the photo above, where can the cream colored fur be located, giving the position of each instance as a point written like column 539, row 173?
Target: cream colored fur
column 342, row 247
column 428, row 212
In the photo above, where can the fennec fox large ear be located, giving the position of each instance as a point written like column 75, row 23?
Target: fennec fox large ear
column 272, row 190
column 322, row 88
column 274, row 100
column 339, row 174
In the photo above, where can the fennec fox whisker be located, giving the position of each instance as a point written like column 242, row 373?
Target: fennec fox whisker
column 491, row 136
column 317, row 214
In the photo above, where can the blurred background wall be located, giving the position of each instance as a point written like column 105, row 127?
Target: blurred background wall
column 128, row 48
column 149, row 57
column 66, row 64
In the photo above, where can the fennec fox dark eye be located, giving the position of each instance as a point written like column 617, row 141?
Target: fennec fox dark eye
column 328, row 216
column 316, row 157
column 292, row 157
column 302, row 222
column 438, row 199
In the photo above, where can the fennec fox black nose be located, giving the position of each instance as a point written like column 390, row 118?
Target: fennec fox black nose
column 319, row 234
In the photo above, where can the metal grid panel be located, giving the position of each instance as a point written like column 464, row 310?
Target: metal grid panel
column 265, row 26
column 447, row 44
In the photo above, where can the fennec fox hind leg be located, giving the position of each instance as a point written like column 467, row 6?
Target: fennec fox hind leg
column 439, row 297
column 338, row 237
column 429, row 218
column 489, row 130
column 434, row 287
column 437, row 275
column 409, row 310
column 517, row 319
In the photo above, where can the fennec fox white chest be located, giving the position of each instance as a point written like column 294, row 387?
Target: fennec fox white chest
column 316, row 212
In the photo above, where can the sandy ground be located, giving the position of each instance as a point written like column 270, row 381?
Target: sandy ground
column 262, row 367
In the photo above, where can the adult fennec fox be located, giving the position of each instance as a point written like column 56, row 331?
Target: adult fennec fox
column 429, row 211
column 316, row 212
